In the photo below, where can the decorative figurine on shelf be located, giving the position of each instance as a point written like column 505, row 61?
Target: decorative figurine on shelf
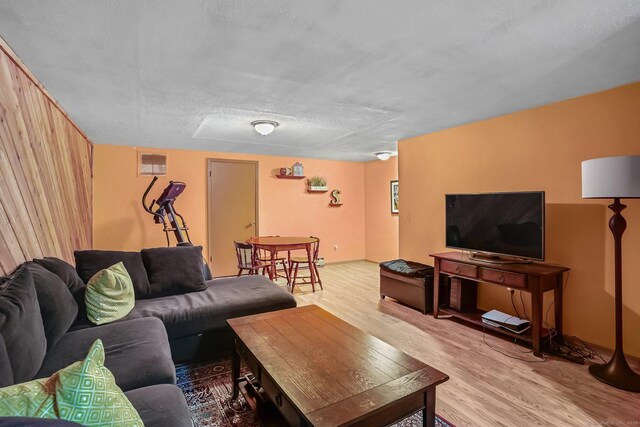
column 286, row 171
column 298, row 170
column 335, row 198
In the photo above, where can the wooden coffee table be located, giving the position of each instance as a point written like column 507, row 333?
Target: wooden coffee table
column 319, row 370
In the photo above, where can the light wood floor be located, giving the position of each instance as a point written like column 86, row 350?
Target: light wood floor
column 486, row 388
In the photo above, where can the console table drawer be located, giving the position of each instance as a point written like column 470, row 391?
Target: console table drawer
column 513, row 280
column 459, row 268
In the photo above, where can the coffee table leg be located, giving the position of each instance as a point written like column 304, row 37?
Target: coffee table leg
column 429, row 410
column 235, row 372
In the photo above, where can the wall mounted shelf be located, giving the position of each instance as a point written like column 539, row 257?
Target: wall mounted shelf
column 290, row 176
column 316, row 191
column 335, row 205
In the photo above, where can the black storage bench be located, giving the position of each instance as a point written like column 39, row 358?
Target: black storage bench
column 410, row 283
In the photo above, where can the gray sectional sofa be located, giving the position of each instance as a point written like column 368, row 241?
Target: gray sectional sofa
column 178, row 316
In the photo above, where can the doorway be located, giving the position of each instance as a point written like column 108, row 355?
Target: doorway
column 232, row 208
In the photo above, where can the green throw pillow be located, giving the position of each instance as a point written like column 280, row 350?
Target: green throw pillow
column 32, row 399
column 86, row 393
column 109, row 295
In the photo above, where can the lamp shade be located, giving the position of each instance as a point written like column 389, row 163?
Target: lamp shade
column 611, row 177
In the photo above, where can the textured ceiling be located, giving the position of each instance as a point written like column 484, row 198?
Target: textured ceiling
column 343, row 78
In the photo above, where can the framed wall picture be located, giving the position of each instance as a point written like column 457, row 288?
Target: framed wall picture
column 394, row 197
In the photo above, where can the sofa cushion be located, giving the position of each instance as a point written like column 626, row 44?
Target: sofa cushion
column 109, row 295
column 197, row 312
column 161, row 405
column 174, row 271
column 89, row 262
column 57, row 306
column 21, row 325
column 6, row 376
column 69, row 276
column 63, row 270
column 137, row 352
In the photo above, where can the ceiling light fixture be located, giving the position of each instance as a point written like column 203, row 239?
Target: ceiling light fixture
column 264, row 127
column 383, row 155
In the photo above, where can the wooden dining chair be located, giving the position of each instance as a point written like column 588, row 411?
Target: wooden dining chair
column 247, row 260
column 295, row 263
column 264, row 256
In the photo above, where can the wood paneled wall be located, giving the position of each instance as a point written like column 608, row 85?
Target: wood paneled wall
column 45, row 171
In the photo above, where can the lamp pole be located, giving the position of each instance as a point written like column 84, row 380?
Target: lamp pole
column 617, row 371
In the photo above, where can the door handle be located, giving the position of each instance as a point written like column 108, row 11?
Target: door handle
column 252, row 224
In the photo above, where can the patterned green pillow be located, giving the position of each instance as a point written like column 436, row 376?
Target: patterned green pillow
column 32, row 399
column 86, row 393
column 109, row 295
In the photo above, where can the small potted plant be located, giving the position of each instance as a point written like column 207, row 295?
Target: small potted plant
column 317, row 183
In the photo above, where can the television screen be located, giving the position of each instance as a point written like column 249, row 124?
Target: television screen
column 509, row 224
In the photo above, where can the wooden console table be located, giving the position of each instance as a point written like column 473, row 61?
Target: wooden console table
column 534, row 278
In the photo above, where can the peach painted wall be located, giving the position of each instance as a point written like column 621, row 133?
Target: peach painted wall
column 381, row 226
column 285, row 208
column 538, row 149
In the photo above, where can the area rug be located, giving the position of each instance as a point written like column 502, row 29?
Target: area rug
column 207, row 388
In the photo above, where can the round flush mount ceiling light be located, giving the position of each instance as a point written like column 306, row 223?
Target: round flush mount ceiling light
column 264, row 127
column 383, row 155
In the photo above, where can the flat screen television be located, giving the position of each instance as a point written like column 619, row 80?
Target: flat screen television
column 509, row 224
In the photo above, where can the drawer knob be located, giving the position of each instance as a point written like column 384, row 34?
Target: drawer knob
column 501, row 278
column 279, row 399
column 457, row 269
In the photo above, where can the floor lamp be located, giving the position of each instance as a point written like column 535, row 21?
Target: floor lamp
column 614, row 178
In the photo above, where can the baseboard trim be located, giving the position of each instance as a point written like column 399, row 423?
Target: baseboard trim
column 343, row 262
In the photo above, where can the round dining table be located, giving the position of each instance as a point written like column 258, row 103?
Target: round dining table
column 275, row 244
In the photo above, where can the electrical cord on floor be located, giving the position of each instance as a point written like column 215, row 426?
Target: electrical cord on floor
column 577, row 349
column 572, row 346
column 542, row 359
column 592, row 352
column 515, row 346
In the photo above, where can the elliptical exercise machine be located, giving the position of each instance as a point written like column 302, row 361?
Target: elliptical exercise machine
column 171, row 220
column 165, row 214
